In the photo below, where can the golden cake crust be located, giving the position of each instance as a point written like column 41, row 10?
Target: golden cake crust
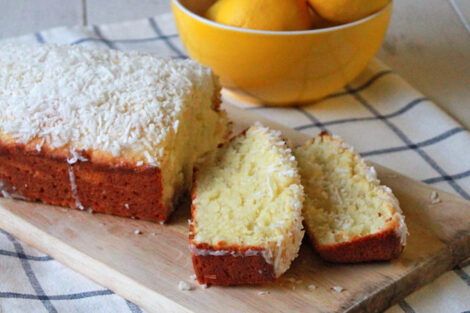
column 231, row 266
column 376, row 247
column 117, row 189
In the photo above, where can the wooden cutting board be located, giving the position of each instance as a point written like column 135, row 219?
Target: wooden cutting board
column 146, row 268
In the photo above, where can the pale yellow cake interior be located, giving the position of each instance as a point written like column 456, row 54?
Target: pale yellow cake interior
column 343, row 197
column 201, row 129
column 249, row 193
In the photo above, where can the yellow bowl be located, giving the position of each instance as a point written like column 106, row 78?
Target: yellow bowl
column 280, row 68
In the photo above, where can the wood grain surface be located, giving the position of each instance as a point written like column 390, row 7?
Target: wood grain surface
column 146, row 268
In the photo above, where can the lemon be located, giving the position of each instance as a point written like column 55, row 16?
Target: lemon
column 277, row 15
column 319, row 22
column 345, row 11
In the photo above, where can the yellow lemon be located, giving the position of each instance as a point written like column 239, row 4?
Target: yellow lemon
column 319, row 22
column 277, row 15
column 345, row 11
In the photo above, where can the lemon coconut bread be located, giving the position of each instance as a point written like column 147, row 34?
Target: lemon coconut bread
column 349, row 217
column 246, row 222
column 108, row 131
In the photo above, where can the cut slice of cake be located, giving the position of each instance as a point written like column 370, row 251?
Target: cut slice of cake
column 246, row 220
column 348, row 215
column 109, row 131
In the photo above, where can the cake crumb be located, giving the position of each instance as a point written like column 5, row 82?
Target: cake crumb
column 90, row 210
column 338, row 289
column 153, row 234
column 126, row 206
column 262, row 293
column 260, row 272
column 312, row 287
column 204, row 286
column 138, row 232
column 140, row 163
column 25, row 185
column 184, row 286
column 102, row 224
column 133, row 217
column 435, row 197
column 192, row 277
column 161, row 223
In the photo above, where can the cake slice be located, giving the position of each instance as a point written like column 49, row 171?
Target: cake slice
column 348, row 215
column 246, row 221
column 103, row 130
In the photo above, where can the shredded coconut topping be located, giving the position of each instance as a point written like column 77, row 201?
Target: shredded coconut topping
column 312, row 287
column 184, row 286
column 435, row 197
column 73, row 186
column 338, row 289
column 266, row 254
column 89, row 98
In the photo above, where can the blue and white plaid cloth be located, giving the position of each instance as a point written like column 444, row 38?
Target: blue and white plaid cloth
column 387, row 120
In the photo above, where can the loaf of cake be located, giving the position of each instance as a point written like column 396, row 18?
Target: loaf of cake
column 246, row 221
column 103, row 130
column 349, row 217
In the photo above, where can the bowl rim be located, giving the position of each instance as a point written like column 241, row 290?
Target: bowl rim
column 283, row 33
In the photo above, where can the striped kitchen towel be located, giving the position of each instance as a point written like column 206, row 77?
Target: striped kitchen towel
column 385, row 118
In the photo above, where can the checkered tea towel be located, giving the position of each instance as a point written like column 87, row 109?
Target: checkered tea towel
column 387, row 120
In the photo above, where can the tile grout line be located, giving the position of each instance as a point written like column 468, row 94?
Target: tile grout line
column 366, row 85
column 107, row 42
column 403, row 110
column 84, row 13
column 158, row 32
column 133, row 307
column 425, row 143
column 312, row 118
column 125, row 41
column 406, row 307
column 462, row 275
column 460, row 15
column 39, row 37
column 71, row 296
column 439, row 179
column 25, row 256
